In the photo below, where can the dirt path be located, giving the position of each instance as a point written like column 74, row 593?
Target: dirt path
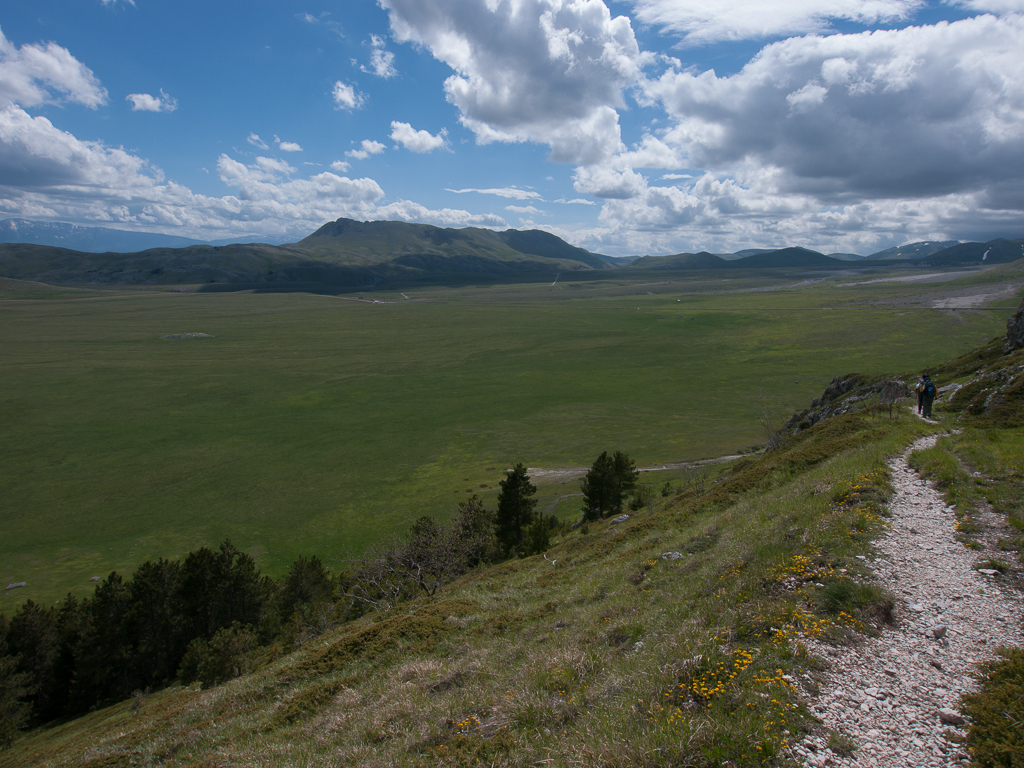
column 886, row 694
column 562, row 474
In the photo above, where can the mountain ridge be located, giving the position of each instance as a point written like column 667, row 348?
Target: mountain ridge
column 347, row 253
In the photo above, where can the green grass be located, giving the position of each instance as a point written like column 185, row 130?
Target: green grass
column 615, row 656
column 316, row 424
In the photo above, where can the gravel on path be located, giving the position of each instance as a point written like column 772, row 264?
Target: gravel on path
column 896, row 695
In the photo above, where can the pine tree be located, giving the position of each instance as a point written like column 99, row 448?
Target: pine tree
column 515, row 509
column 607, row 484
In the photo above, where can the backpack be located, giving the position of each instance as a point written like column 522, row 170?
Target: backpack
column 929, row 390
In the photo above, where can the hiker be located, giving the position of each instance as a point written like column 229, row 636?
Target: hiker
column 920, row 394
column 926, row 396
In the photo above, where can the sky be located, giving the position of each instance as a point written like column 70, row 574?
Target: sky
column 627, row 127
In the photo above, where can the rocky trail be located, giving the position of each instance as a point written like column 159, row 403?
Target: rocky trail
column 895, row 696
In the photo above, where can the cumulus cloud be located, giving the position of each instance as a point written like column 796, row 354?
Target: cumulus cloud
column 341, row 166
column 705, row 21
column 722, row 215
column 256, row 141
column 50, row 174
column 37, row 74
column 917, row 112
column 144, row 102
column 346, row 97
column 406, row 210
column 547, row 71
column 523, row 209
column 606, row 182
column 513, row 193
column 382, row 61
column 416, row 141
column 287, row 146
column 995, row 6
column 366, row 148
column 575, row 201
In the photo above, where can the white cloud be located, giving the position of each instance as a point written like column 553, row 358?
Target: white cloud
column 547, row 71
column 322, row 19
column 416, row 141
column 675, row 176
column 287, row 146
column 256, row 141
column 513, row 193
column 917, row 112
column 705, row 21
column 602, row 181
column 367, row 148
column 523, row 209
column 382, row 61
column 144, row 102
column 340, row 166
column 115, row 2
column 406, row 210
column 346, row 97
column 47, row 173
column 995, row 6
column 35, row 74
column 575, row 201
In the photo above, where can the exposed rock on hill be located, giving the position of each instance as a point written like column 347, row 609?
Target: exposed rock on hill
column 1015, row 331
column 846, row 394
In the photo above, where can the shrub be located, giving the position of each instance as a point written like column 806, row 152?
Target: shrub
column 217, row 661
column 995, row 736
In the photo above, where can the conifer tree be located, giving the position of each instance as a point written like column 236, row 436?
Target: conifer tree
column 607, row 484
column 515, row 508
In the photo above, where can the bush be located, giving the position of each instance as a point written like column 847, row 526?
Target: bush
column 538, row 537
column 995, row 736
column 643, row 496
column 226, row 656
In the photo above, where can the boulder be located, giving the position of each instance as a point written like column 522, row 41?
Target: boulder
column 950, row 717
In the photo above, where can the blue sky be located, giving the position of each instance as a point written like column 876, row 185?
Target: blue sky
column 625, row 127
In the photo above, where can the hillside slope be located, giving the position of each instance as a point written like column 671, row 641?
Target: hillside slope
column 695, row 632
column 998, row 251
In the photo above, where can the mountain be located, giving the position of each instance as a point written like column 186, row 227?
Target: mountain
column 913, row 250
column 788, row 257
column 103, row 239
column 342, row 253
column 999, row 251
column 756, row 259
column 374, row 242
column 702, row 260
column 847, row 256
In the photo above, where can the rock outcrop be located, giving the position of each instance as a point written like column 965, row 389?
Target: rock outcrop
column 1015, row 331
column 845, row 394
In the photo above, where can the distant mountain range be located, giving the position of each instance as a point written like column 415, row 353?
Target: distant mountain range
column 105, row 240
column 348, row 254
column 926, row 254
column 913, row 250
column 343, row 254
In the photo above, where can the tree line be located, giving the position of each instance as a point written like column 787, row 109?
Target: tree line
column 212, row 615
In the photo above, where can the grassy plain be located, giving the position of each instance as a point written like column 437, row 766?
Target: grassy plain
column 316, row 424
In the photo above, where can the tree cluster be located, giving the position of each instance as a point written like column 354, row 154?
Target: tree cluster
column 208, row 616
column 605, row 487
column 132, row 634
column 430, row 557
column 205, row 617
